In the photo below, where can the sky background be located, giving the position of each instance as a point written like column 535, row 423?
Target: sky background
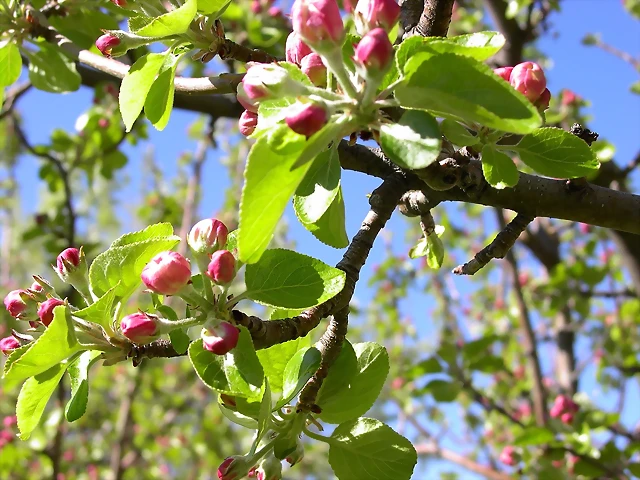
column 590, row 72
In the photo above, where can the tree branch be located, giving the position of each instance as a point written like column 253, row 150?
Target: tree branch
column 464, row 461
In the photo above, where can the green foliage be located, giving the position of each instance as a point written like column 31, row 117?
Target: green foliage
column 78, row 371
column 174, row 22
column 498, row 169
column 300, row 368
column 366, row 445
column 51, row 70
column 10, row 64
column 287, row 279
column 414, row 142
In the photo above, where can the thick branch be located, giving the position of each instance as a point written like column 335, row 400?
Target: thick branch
column 511, row 53
column 433, row 21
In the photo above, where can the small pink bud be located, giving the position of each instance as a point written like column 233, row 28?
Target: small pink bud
column 309, row 119
column 557, row 463
column 528, row 78
column 245, row 101
column 265, row 81
column 104, row 123
column 296, row 49
column 120, row 3
column 314, row 68
column 523, row 278
column 14, row 302
column 569, row 97
column 519, row 372
column 138, row 327
column 10, row 420
column 585, row 228
column 45, row 311
column 247, row 123
column 507, row 456
column 234, row 468
column 318, row 22
column 166, row 273
column 256, row 7
column 222, row 267
column 68, row 262
column 543, row 101
column 370, row 14
column 208, row 236
column 374, row 52
column 220, row 339
column 8, row 345
column 504, row 72
column 36, row 287
column 275, row 12
column 567, row 418
column 106, row 42
column 556, row 411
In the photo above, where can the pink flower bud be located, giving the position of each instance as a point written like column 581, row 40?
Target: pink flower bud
column 569, row 97
column 567, row 418
column 68, row 262
column 222, row 267
column 234, row 468
column 36, row 287
column 106, row 42
column 265, row 81
column 220, row 339
column 208, row 236
column 275, row 12
column 247, row 123
column 585, row 228
column 245, row 101
column 45, row 311
column 10, row 420
column 370, row 14
column 543, row 101
column 104, row 123
column 166, row 273
column 556, row 411
column 296, row 49
column 138, row 327
column 507, row 456
column 256, row 7
column 14, row 303
column 374, row 52
column 314, row 68
column 528, row 78
column 120, row 3
column 318, row 22
column 504, row 72
column 309, row 119
column 8, row 345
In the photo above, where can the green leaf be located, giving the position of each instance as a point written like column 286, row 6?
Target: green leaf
column 215, row 8
column 635, row 88
column 264, row 416
column 318, row 142
column 175, row 22
column 238, row 418
column 318, row 188
column 237, row 373
column 457, row 134
column 367, row 448
column 356, row 398
column 33, row 398
column 442, row 390
column 430, row 365
column 635, row 468
column 10, row 64
column 287, row 279
column 480, row 45
column 179, row 339
column 51, row 70
column 435, row 249
column 414, row 142
column 330, row 229
column 100, row 312
column 556, row 153
column 340, row 374
column 136, row 85
column 159, row 102
column 274, row 360
column 300, row 368
column 269, row 184
column 534, row 436
column 164, row 229
column 121, row 266
column 57, row 343
column 78, row 371
column 464, row 89
column 587, row 469
column 498, row 169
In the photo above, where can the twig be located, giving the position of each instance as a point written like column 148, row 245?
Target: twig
column 64, row 176
column 616, row 52
column 462, row 460
column 539, row 397
column 435, row 18
column 499, row 248
column 12, row 97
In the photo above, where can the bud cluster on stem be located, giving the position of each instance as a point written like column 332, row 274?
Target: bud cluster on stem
column 528, row 78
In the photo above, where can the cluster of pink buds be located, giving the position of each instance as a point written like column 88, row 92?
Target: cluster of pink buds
column 6, row 435
column 529, row 79
column 569, row 97
column 260, row 6
column 509, row 456
column 564, row 408
column 371, row 14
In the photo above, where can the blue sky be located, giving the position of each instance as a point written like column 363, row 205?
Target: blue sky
column 590, row 72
